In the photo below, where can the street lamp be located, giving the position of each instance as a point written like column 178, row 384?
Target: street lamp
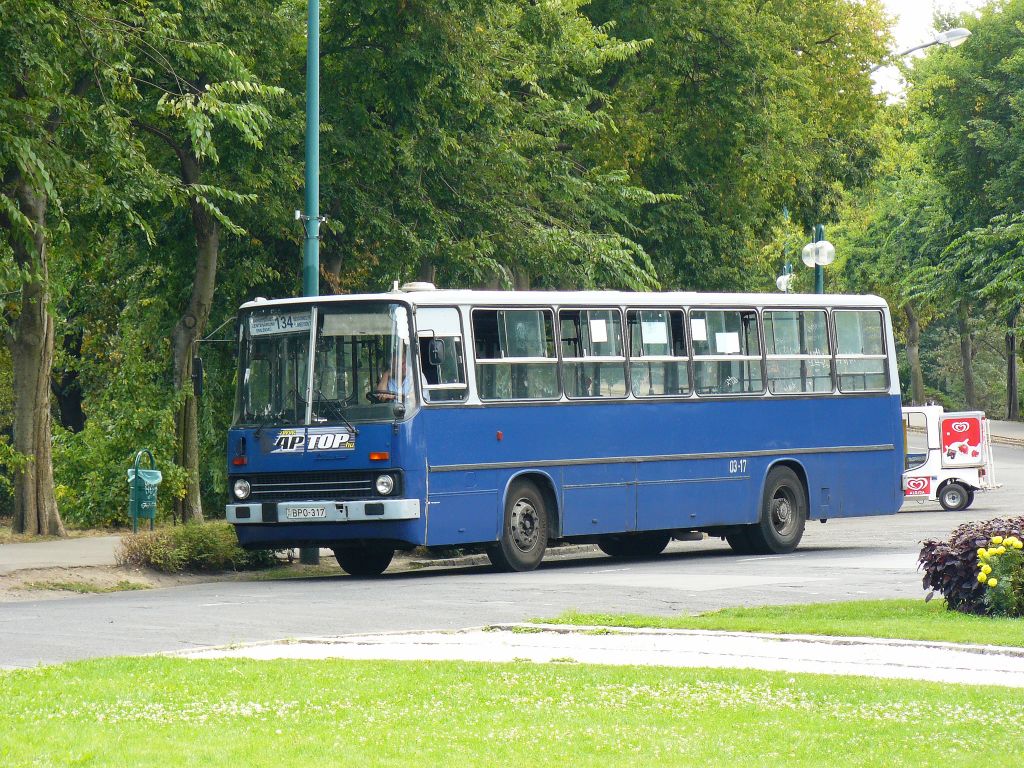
column 951, row 37
column 818, row 254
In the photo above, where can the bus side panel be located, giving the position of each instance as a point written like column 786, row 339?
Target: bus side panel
column 690, row 494
column 462, row 507
column 600, row 498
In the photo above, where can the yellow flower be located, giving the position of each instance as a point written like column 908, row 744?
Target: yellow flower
column 1018, row 544
column 997, row 539
column 992, row 551
column 986, row 569
column 982, row 552
column 1001, row 550
column 982, row 578
column 993, row 582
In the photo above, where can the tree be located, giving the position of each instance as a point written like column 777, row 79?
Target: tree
column 209, row 98
column 53, row 60
column 454, row 138
column 739, row 109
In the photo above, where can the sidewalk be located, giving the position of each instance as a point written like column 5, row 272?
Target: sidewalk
column 59, row 553
column 1007, row 432
column 868, row 657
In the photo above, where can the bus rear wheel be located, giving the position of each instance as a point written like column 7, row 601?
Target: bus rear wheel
column 783, row 515
column 524, row 531
column 634, row 546
column 364, row 561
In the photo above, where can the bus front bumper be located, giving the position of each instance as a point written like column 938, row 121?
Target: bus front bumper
column 323, row 511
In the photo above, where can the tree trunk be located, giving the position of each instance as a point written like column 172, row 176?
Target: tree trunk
column 966, row 355
column 1012, row 388
column 66, row 387
column 190, row 328
column 914, row 355
column 31, row 343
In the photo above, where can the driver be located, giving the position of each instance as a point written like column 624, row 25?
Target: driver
column 388, row 388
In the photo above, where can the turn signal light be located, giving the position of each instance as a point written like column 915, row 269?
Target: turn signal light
column 379, row 456
column 240, row 461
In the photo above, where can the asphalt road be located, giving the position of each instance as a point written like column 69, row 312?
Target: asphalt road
column 844, row 559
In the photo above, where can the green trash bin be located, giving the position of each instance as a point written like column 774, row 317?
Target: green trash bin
column 143, row 485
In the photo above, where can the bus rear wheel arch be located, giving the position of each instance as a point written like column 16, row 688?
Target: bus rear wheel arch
column 783, row 515
column 524, row 529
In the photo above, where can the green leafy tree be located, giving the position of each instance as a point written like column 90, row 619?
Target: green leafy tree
column 738, row 109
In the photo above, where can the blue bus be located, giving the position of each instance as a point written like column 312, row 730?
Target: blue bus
column 511, row 420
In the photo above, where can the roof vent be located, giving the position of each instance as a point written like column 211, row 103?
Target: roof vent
column 418, row 286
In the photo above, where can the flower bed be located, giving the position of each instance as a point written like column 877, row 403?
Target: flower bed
column 979, row 569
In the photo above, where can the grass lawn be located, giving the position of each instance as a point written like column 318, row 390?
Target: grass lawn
column 908, row 619
column 175, row 712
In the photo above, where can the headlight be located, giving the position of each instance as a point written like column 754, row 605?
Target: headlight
column 385, row 484
column 242, row 489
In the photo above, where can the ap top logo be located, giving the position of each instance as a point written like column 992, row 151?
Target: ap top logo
column 293, row 441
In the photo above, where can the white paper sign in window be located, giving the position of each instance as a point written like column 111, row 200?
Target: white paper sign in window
column 598, row 330
column 727, row 343
column 654, row 332
column 699, row 328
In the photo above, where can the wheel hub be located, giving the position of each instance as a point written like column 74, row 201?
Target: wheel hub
column 524, row 525
column 782, row 513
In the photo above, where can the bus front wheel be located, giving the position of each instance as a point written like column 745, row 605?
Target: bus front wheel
column 364, row 561
column 524, row 532
column 783, row 515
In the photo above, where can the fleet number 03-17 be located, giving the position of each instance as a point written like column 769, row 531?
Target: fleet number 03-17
column 737, row 466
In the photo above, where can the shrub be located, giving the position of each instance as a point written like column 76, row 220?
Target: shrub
column 192, row 547
column 951, row 567
column 1001, row 572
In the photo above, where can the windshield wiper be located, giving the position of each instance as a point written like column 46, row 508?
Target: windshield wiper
column 338, row 410
column 264, row 422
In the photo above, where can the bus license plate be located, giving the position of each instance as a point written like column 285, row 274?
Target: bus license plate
column 306, row 513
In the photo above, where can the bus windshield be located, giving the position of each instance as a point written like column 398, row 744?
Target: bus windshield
column 361, row 365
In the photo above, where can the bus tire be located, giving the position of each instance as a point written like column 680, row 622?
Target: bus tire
column 783, row 514
column 364, row 561
column 740, row 542
column 970, row 498
column 953, row 497
column 524, row 530
column 634, row 546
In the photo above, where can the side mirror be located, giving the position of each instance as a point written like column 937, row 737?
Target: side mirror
column 435, row 351
column 399, row 411
column 197, row 377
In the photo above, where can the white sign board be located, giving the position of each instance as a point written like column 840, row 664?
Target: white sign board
column 727, row 343
column 654, row 332
column 280, row 322
column 598, row 330
column 699, row 328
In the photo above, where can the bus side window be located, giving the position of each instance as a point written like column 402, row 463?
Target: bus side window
column 515, row 354
column 860, row 351
column 798, row 351
column 442, row 361
column 726, row 352
column 593, row 354
column 657, row 349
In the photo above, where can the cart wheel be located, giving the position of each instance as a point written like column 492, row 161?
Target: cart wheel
column 953, row 497
column 970, row 499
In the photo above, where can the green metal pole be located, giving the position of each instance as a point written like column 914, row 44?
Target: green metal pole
column 311, row 246
column 819, row 271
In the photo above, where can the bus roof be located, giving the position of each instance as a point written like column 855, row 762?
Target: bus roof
column 446, row 297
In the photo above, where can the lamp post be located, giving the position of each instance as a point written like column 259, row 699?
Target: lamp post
column 951, row 37
column 818, row 254
column 311, row 219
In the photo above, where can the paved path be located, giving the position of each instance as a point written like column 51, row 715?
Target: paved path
column 900, row 659
column 59, row 553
